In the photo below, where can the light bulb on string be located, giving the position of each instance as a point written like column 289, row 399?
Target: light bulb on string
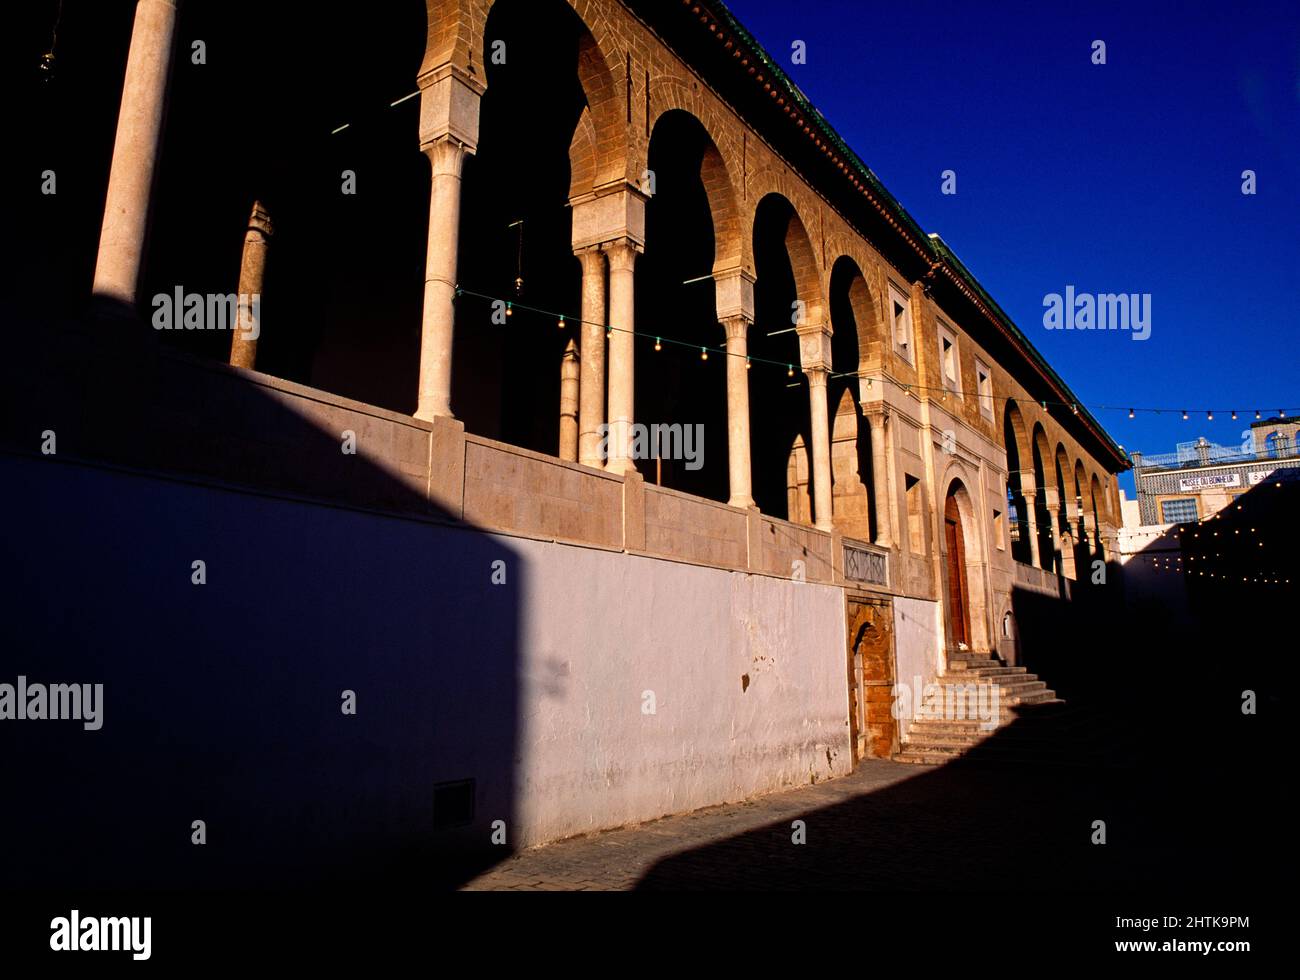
column 1234, row 415
column 1209, row 416
column 510, row 309
column 748, row 364
column 1257, row 413
column 658, row 344
column 1184, row 415
column 789, row 371
column 704, row 354
column 561, row 323
column 1130, row 413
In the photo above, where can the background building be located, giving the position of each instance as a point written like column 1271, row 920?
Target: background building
column 1200, row 478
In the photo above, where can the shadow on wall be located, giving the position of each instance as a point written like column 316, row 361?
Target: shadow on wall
column 224, row 702
column 1153, row 740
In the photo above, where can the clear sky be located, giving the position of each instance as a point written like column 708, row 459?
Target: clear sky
column 1122, row 177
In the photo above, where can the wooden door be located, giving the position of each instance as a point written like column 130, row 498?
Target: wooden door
column 958, row 599
column 873, row 731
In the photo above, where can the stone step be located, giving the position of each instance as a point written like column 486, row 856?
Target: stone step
column 964, row 665
column 1007, row 693
column 1008, row 681
column 1021, row 686
column 986, row 672
column 925, row 758
column 939, row 736
column 1003, row 718
column 1027, row 695
column 973, row 723
column 1006, row 714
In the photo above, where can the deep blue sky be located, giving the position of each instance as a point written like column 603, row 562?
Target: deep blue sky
column 1123, row 177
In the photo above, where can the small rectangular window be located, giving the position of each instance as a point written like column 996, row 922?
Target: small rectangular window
column 902, row 319
column 915, row 514
column 1180, row 511
column 948, row 359
column 984, row 383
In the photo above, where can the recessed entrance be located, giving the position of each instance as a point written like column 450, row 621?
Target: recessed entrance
column 958, row 590
column 873, row 730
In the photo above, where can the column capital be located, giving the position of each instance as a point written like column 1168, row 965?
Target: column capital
column 816, row 376
column 736, row 326
column 733, row 291
column 446, row 156
column 449, row 106
column 259, row 221
column 621, row 254
column 592, row 259
column 814, row 347
column 608, row 214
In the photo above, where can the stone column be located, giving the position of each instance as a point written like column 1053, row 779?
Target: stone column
column 821, row 448
column 569, row 402
column 592, row 386
column 1054, row 524
column 880, row 480
column 737, row 329
column 135, row 152
column 252, row 268
column 1031, row 526
column 447, row 157
column 622, row 351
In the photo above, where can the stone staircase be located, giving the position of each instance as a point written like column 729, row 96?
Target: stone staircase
column 949, row 725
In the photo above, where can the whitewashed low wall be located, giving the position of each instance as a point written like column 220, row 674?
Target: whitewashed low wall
column 519, row 664
column 918, row 640
column 651, row 687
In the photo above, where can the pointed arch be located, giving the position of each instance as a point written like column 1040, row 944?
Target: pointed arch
column 716, row 178
column 965, row 597
column 1043, row 464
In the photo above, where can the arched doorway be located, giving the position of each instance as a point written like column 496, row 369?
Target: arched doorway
column 958, row 587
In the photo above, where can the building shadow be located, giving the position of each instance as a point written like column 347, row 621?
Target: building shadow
column 1152, row 740
column 327, row 578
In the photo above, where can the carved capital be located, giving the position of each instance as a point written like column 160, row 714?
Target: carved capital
column 592, row 260
column 736, row 327
column 446, row 156
column 622, row 254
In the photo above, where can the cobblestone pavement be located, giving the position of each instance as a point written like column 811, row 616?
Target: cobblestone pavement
column 618, row 859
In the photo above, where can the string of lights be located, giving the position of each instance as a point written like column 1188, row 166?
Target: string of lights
column 564, row 319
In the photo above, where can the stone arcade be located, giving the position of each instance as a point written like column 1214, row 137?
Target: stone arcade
column 902, row 470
